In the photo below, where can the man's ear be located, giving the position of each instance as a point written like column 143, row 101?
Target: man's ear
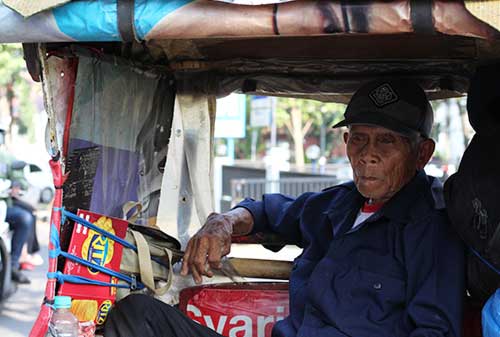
column 346, row 136
column 425, row 151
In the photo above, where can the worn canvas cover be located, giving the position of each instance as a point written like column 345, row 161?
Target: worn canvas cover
column 131, row 135
column 254, row 2
column 485, row 10
column 163, row 20
column 29, row 7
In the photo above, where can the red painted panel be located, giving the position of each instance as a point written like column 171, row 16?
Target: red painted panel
column 237, row 310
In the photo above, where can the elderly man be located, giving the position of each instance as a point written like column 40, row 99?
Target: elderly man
column 379, row 257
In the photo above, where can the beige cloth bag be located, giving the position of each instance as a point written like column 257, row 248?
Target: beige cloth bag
column 156, row 253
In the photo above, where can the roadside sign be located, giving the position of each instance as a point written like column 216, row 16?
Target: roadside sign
column 313, row 151
column 230, row 120
column 261, row 110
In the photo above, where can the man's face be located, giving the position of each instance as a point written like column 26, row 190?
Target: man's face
column 382, row 161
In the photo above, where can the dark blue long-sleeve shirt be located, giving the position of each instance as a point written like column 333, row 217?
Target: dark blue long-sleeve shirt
column 400, row 273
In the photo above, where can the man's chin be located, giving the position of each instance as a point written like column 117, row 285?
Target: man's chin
column 370, row 191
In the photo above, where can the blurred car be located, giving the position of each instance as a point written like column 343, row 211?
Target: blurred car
column 40, row 188
column 439, row 169
column 435, row 170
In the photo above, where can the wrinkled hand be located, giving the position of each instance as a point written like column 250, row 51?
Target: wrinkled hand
column 206, row 248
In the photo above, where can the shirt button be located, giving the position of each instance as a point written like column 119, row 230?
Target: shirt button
column 377, row 286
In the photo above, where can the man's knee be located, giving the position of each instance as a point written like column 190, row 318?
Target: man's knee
column 20, row 219
column 27, row 220
column 135, row 305
column 139, row 315
column 139, row 302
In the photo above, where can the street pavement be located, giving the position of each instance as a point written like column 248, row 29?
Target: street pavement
column 19, row 312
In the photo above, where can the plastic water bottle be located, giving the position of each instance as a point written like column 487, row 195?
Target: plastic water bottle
column 63, row 323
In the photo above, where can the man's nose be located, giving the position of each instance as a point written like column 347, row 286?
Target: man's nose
column 369, row 154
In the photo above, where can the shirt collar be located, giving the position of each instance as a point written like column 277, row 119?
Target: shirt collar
column 349, row 201
column 344, row 210
column 371, row 208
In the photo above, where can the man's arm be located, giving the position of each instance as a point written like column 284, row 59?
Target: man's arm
column 213, row 241
column 13, row 170
column 275, row 213
column 436, row 278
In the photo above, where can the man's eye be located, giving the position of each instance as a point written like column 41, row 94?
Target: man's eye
column 356, row 138
column 387, row 140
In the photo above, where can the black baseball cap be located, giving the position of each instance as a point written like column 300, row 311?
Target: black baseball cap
column 400, row 105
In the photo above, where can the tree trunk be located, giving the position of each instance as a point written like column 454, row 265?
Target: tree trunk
column 297, row 135
column 10, row 102
column 466, row 129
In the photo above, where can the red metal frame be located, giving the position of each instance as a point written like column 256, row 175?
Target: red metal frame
column 73, row 67
column 40, row 326
column 39, row 329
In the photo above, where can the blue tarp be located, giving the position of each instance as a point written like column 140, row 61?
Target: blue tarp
column 73, row 19
column 82, row 21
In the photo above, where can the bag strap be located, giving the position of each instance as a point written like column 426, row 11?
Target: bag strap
column 125, row 18
column 483, row 260
column 145, row 267
column 170, row 272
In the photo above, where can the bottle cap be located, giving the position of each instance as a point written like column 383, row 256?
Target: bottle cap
column 62, row 302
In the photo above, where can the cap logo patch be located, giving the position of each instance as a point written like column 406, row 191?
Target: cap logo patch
column 383, row 95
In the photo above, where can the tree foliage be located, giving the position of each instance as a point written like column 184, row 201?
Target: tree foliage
column 296, row 120
column 11, row 64
column 15, row 87
column 303, row 118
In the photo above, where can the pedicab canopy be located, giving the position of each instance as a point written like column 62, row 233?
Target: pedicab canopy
column 130, row 86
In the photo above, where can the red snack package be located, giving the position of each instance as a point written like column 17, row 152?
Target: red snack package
column 93, row 302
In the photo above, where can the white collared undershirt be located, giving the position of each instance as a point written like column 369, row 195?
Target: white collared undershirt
column 366, row 211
